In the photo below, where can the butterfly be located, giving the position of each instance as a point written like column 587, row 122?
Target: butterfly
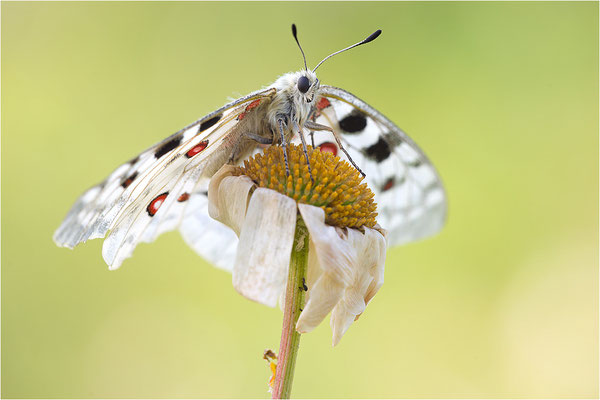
column 165, row 187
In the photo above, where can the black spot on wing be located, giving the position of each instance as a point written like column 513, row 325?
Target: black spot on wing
column 353, row 122
column 167, row 147
column 378, row 151
column 208, row 123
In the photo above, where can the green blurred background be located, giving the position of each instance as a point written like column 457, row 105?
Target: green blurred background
column 503, row 97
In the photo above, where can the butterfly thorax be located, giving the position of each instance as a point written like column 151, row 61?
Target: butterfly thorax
column 291, row 105
column 287, row 109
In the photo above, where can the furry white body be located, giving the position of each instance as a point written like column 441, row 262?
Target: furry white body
column 289, row 103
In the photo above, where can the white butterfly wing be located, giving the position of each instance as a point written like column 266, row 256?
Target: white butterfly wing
column 211, row 239
column 410, row 197
column 150, row 194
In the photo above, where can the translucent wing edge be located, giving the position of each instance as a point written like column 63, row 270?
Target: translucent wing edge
column 72, row 230
column 440, row 211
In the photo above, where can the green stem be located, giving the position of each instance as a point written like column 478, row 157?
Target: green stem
column 294, row 301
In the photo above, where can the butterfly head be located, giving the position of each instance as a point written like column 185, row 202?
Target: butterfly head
column 299, row 91
column 306, row 86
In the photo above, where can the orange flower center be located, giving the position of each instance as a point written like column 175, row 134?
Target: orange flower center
column 335, row 185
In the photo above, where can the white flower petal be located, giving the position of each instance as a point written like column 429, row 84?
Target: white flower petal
column 345, row 265
column 374, row 236
column 314, row 270
column 264, row 251
column 344, row 314
column 349, row 272
column 367, row 279
column 228, row 197
column 335, row 255
column 322, row 298
column 213, row 189
column 334, row 259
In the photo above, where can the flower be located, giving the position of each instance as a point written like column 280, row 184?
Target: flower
column 346, row 248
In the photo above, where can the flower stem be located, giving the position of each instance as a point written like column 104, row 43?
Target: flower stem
column 294, row 301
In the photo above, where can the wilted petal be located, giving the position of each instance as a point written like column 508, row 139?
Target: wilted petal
column 322, row 298
column 330, row 270
column 367, row 279
column 377, row 269
column 264, row 250
column 351, row 304
column 228, row 197
column 334, row 253
column 349, row 272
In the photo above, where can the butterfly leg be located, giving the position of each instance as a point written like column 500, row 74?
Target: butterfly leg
column 318, row 127
column 259, row 139
column 252, row 136
column 301, row 134
column 284, row 144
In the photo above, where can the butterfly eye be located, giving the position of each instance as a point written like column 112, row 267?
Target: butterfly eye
column 303, row 84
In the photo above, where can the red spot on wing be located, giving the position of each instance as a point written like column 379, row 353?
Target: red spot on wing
column 197, row 149
column 249, row 107
column 388, row 185
column 323, row 103
column 183, row 197
column 156, row 203
column 129, row 180
column 252, row 105
column 328, row 147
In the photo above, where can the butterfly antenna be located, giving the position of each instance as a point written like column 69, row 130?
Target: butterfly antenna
column 295, row 33
column 371, row 37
